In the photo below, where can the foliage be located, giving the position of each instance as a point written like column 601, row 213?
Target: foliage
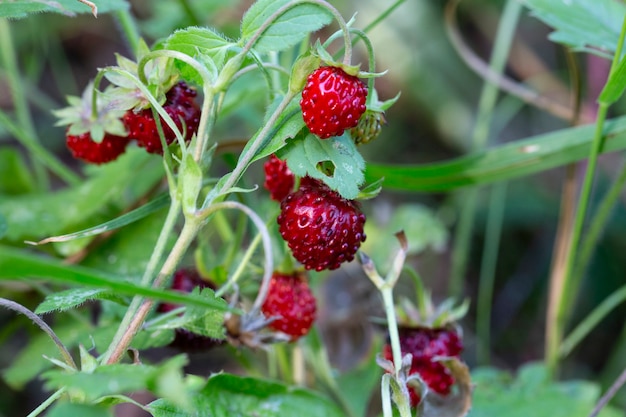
column 93, row 248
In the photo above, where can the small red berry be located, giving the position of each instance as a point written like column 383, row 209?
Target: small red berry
column 279, row 180
column 332, row 101
column 83, row 147
column 322, row 229
column 425, row 344
column 179, row 105
column 291, row 301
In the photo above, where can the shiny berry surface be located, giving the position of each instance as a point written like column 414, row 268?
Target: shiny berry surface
column 332, row 101
column 322, row 229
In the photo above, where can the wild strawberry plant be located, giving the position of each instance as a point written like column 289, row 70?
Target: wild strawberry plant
column 159, row 223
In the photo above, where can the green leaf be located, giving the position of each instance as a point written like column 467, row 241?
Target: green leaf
column 18, row 264
column 22, row 8
column 200, row 320
column 109, row 380
column 505, row 162
column 15, row 178
column 615, row 86
column 532, row 393
column 305, row 156
column 584, row 25
column 73, row 298
column 202, row 44
column 287, row 30
column 127, row 218
column 229, row 395
column 35, row 216
column 79, row 410
column 288, row 125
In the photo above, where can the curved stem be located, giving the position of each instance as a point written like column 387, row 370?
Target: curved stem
column 18, row 308
column 505, row 84
column 206, row 116
column 265, row 236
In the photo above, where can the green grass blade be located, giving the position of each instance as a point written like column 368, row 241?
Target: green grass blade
column 20, row 264
column 510, row 161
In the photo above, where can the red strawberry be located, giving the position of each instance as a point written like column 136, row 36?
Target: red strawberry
column 181, row 107
column 185, row 280
column 279, row 180
column 332, row 101
column 321, row 228
column 425, row 344
column 290, row 299
column 84, row 147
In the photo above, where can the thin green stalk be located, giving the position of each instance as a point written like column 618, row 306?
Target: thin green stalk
column 41, row 154
column 480, row 135
column 488, row 271
column 598, row 224
column 245, row 159
column 591, row 321
column 148, row 276
column 19, row 96
column 129, row 28
column 47, row 403
column 133, row 320
column 566, row 297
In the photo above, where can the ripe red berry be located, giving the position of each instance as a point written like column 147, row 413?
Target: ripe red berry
column 290, row 299
column 179, row 105
column 279, row 180
column 186, row 280
column 332, row 101
column 426, row 344
column 321, row 228
column 83, row 147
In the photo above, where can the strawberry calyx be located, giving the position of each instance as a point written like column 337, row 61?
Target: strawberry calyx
column 79, row 116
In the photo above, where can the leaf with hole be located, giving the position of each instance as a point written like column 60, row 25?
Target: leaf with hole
column 336, row 161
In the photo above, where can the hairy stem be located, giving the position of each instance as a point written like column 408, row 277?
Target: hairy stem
column 18, row 308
